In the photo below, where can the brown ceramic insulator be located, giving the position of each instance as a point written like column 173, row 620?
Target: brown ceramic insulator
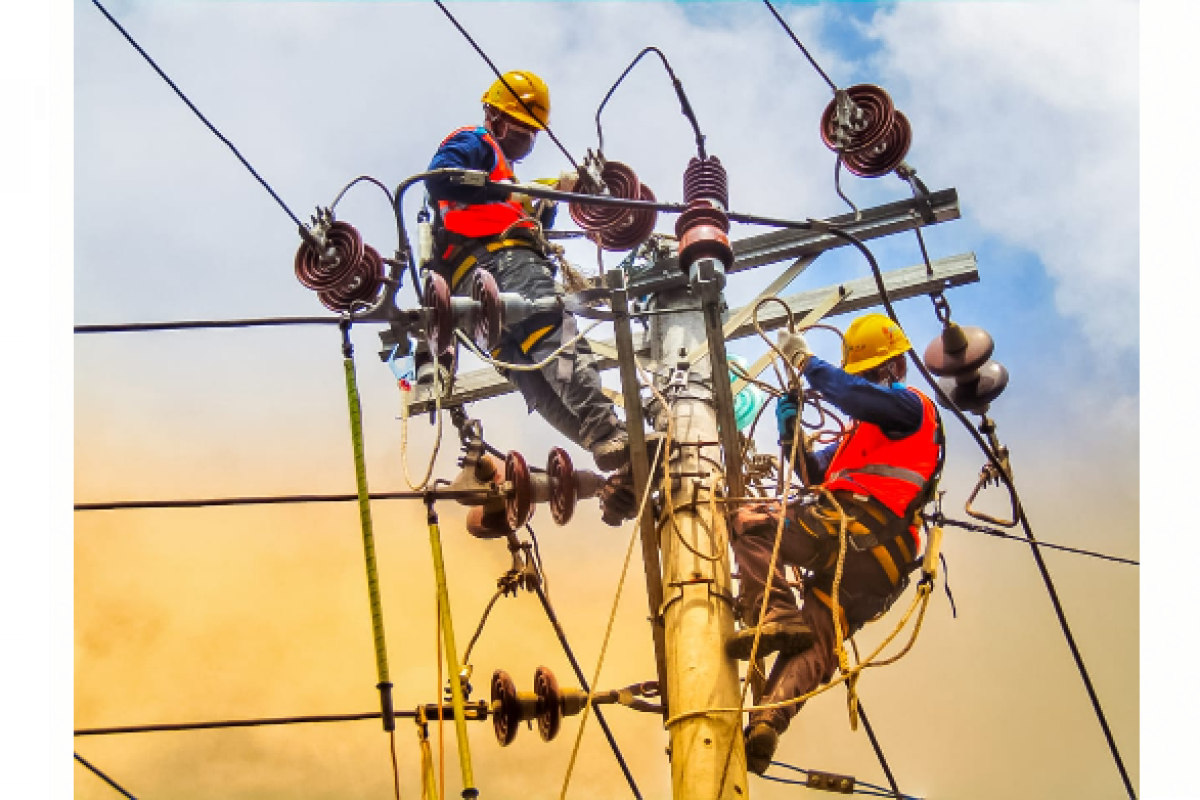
column 621, row 182
column 976, row 394
column 440, row 325
column 633, row 228
column 877, row 114
column 347, row 246
column 948, row 358
column 886, row 154
column 562, row 486
column 360, row 286
column 519, row 502
column 506, row 708
column 489, row 322
column 706, row 180
column 549, row 703
column 702, row 230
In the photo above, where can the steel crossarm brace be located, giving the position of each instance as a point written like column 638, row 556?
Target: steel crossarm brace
column 903, row 283
column 767, row 248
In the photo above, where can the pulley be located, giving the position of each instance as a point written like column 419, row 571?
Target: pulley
column 862, row 124
column 703, row 227
column 612, row 227
column 961, row 356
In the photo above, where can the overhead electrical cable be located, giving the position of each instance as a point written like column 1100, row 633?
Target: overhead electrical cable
column 970, row 526
column 500, row 77
column 684, row 105
column 803, row 49
column 203, row 119
column 103, row 777
column 205, row 324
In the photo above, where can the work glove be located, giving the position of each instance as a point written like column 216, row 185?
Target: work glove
column 567, row 181
column 617, row 502
column 794, row 347
column 787, row 410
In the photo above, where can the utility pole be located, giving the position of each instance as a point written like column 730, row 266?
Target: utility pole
column 707, row 754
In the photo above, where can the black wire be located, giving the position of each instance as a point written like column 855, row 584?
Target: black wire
column 235, row 723
column 583, row 684
column 266, row 322
column 891, row 779
column 500, row 76
column 969, row 526
column 125, row 505
column 803, row 49
column 104, row 777
column 203, row 119
column 684, row 105
column 945, row 400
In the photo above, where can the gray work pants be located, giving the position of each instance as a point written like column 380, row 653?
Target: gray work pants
column 871, row 581
column 567, row 395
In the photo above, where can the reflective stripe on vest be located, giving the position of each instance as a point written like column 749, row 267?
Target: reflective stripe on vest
column 893, row 471
column 482, row 219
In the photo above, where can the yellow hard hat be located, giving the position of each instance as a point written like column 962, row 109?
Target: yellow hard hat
column 871, row 340
column 530, row 88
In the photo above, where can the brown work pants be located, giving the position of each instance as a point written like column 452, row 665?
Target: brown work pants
column 871, row 581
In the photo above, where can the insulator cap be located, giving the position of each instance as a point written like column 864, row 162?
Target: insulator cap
column 959, row 351
column 439, row 328
column 886, row 154
column 549, row 703
column 706, row 180
column 976, row 394
column 344, row 249
column 562, row 486
column 519, row 503
column 702, row 230
column 612, row 227
column 506, row 708
column 489, row 321
column 877, row 114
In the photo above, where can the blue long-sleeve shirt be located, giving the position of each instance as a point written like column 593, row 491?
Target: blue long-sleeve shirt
column 896, row 410
column 468, row 150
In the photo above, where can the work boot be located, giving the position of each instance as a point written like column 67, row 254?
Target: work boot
column 783, row 632
column 762, row 737
column 612, row 453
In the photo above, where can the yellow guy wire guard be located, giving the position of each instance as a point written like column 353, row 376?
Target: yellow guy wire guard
column 456, row 695
column 364, row 514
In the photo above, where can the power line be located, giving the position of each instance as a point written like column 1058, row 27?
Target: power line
column 970, row 526
column 125, row 505
column 803, row 49
column 500, row 77
column 104, row 777
column 235, row 723
column 203, row 119
column 180, row 325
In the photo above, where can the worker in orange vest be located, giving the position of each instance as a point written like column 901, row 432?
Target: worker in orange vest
column 882, row 472
column 477, row 229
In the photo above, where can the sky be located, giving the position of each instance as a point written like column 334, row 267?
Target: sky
column 1028, row 109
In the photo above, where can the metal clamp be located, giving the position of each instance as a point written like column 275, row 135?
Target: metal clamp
column 682, row 586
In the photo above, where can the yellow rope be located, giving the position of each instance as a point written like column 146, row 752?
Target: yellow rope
column 611, row 619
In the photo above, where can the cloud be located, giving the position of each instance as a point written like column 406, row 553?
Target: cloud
column 1033, row 109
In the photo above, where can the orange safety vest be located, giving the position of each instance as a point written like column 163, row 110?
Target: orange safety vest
column 895, row 472
column 483, row 220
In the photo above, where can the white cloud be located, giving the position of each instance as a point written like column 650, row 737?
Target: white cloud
column 1033, row 109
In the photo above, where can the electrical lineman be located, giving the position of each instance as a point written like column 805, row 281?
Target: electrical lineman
column 874, row 481
column 474, row 229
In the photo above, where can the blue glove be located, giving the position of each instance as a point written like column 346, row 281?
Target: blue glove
column 787, row 409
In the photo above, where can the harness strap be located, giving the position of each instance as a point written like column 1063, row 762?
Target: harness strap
column 883, row 471
column 463, row 267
